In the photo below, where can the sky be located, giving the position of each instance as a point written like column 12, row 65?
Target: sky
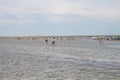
column 59, row 17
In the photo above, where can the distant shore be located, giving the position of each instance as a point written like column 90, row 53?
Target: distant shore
column 107, row 37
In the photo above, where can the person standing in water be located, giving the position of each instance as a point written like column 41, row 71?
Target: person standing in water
column 53, row 41
column 101, row 41
column 46, row 40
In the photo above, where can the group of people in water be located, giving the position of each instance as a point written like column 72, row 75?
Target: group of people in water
column 53, row 40
column 100, row 39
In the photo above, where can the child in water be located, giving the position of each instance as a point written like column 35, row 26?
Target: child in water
column 53, row 41
column 46, row 40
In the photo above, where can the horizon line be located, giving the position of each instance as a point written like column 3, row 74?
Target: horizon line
column 57, row 35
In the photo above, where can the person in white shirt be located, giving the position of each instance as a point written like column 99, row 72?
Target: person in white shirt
column 53, row 41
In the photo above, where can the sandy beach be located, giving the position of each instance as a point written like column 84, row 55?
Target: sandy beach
column 78, row 59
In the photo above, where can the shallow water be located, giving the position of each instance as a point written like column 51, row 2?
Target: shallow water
column 82, row 59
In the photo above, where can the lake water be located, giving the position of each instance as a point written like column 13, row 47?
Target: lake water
column 79, row 59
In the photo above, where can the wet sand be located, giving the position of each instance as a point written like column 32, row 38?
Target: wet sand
column 80, row 59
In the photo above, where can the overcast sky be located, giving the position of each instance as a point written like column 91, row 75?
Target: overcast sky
column 59, row 17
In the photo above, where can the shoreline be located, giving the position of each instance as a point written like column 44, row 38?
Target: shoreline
column 107, row 37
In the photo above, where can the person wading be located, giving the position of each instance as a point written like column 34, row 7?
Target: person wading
column 46, row 40
column 53, row 41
